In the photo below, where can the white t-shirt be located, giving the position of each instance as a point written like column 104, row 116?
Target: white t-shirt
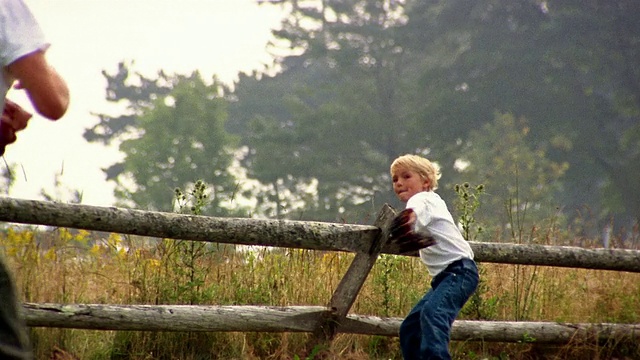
column 435, row 219
column 20, row 35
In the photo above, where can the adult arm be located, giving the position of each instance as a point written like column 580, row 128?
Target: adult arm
column 46, row 89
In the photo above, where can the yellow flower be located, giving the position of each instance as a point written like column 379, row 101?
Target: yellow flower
column 114, row 240
column 154, row 263
column 50, row 254
column 95, row 250
column 82, row 236
column 65, row 235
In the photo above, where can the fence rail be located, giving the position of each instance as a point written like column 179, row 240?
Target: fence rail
column 290, row 234
column 300, row 319
column 367, row 242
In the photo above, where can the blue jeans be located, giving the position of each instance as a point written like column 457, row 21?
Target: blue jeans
column 425, row 332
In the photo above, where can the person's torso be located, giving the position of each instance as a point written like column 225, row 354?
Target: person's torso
column 435, row 219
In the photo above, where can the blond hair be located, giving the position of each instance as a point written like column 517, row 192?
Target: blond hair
column 423, row 167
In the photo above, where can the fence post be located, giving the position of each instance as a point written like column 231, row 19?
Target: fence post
column 345, row 294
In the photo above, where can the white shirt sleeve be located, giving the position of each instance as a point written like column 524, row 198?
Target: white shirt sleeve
column 20, row 33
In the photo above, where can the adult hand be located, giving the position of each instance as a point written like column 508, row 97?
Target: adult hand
column 402, row 235
column 14, row 118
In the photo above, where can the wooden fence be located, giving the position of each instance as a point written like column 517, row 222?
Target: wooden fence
column 367, row 242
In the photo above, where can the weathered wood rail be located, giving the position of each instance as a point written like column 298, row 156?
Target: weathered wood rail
column 367, row 242
column 300, row 319
column 290, row 234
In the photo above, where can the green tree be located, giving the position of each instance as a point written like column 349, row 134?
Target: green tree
column 371, row 80
column 520, row 182
column 437, row 70
column 568, row 67
column 178, row 137
column 137, row 91
column 341, row 114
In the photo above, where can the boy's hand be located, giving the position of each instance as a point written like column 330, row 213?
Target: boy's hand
column 402, row 234
column 14, row 118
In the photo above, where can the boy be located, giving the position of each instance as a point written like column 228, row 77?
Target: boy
column 425, row 332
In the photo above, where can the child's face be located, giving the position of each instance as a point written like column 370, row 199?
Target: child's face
column 407, row 183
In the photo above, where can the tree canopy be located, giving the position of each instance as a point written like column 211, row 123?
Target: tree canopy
column 368, row 80
column 175, row 137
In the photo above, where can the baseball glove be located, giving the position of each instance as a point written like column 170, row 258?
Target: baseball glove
column 402, row 235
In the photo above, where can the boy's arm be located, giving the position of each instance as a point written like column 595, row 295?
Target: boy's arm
column 46, row 89
column 402, row 234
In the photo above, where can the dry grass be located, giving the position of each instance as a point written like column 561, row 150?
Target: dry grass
column 80, row 267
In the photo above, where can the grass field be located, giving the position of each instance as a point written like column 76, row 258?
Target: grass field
column 64, row 266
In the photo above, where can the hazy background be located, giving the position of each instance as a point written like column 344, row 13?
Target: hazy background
column 220, row 37
column 537, row 101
